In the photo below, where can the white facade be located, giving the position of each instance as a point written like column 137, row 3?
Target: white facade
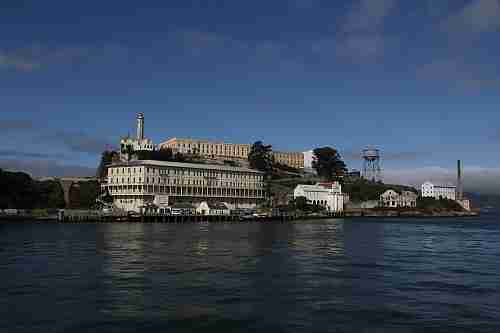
column 137, row 145
column 329, row 197
column 206, row 208
column 140, row 185
column 465, row 203
column 430, row 190
column 390, row 198
column 308, row 159
column 393, row 199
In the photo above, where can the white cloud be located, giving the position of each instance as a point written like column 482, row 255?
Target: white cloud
column 362, row 47
column 361, row 36
column 36, row 56
column 476, row 178
column 477, row 17
column 368, row 16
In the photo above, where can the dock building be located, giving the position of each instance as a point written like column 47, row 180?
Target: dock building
column 147, row 185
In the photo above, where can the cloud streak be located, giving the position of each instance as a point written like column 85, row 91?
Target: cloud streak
column 37, row 56
column 15, row 125
column 77, row 142
column 389, row 156
column 368, row 16
column 477, row 17
column 46, row 168
column 29, row 155
column 361, row 36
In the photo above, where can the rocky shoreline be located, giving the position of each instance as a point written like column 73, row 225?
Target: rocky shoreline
column 407, row 213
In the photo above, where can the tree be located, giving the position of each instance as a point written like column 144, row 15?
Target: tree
column 50, row 195
column 107, row 157
column 260, row 157
column 19, row 190
column 328, row 163
column 164, row 154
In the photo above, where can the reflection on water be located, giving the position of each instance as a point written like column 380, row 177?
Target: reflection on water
column 336, row 275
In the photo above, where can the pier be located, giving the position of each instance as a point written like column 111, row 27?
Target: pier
column 77, row 216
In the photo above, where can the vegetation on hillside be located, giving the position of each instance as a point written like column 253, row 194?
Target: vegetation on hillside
column 431, row 204
column 19, row 190
column 364, row 190
column 167, row 155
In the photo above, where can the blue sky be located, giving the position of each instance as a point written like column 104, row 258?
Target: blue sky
column 417, row 79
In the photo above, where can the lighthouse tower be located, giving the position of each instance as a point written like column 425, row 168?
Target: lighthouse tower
column 128, row 145
column 140, row 127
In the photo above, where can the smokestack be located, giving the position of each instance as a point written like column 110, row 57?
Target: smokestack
column 140, row 126
column 460, row 186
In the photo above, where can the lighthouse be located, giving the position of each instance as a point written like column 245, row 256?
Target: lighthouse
column 140, row 127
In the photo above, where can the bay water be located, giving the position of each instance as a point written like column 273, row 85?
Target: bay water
column 338, row 275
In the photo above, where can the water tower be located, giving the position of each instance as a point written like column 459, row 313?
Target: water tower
column 371, row 164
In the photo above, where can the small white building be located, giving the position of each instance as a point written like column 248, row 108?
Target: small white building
column 430, row 190
column 409, row 199
column 328, row 195
column 393, row 199
column 390, row 198
column 212, row 208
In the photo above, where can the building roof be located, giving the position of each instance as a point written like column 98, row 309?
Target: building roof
column 216, row 142
column 388, row 191
column 184, row 165
column 312, row 188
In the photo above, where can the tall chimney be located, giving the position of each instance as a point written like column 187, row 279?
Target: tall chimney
column 140, row 126
column 460, row 186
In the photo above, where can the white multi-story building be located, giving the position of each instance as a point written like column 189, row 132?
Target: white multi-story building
column 227, row 151
column 151, row 185
column 328, row 195
column 393, row 199
column 430, row 190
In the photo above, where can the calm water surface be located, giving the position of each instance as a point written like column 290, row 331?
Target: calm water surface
column 324, row 276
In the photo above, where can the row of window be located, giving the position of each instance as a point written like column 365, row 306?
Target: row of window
column 207, row 148
column 175, row 181
column 122, row 171
column 186, row 190
column 184, row 172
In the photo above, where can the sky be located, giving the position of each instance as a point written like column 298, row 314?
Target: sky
column 417, row 79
